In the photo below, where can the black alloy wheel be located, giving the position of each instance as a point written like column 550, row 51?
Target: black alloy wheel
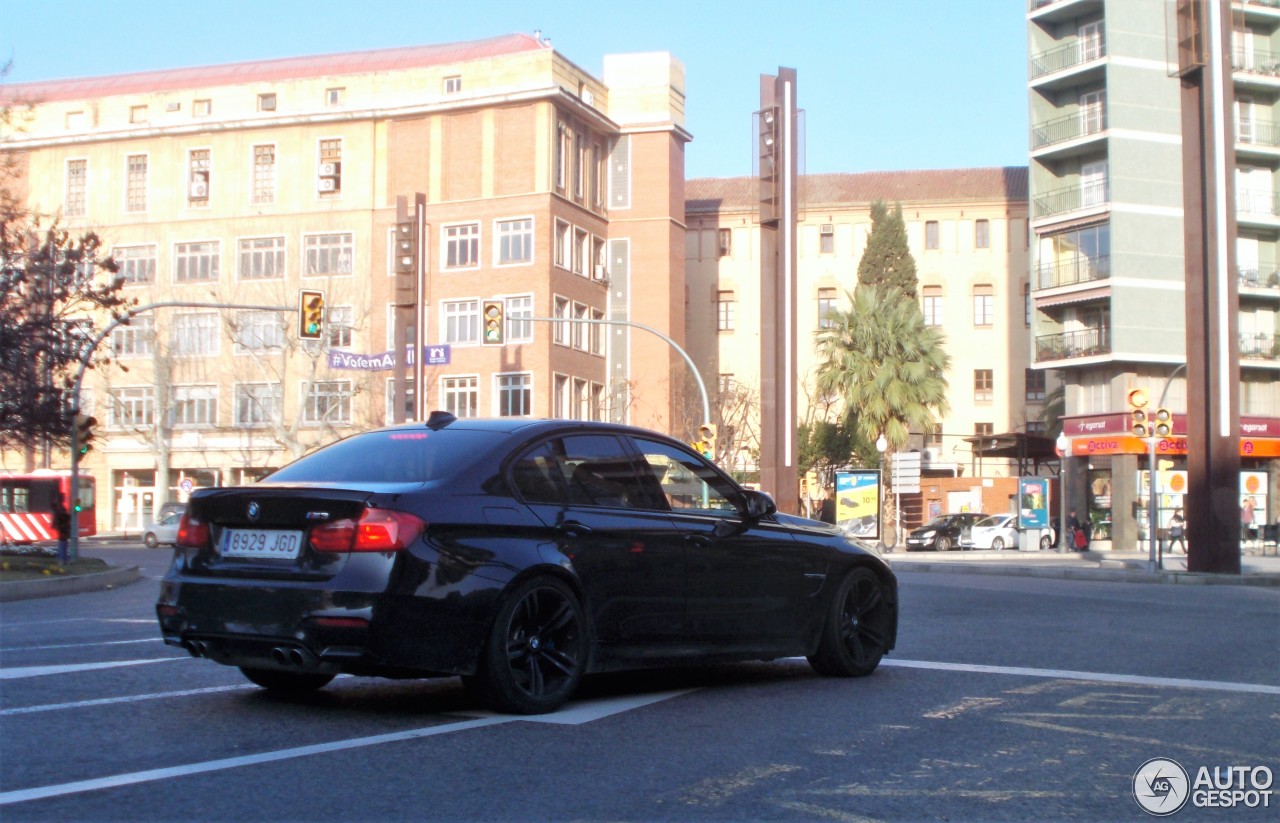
column 285, row 682
column 856, row 633
column 537, row 649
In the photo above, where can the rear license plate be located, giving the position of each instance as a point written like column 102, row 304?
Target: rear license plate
column 273, row 545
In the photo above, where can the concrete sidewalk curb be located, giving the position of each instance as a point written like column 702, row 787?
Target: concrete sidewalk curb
column 77, row 584
column 1116, row 574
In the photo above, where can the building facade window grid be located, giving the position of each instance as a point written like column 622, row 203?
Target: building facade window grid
column 327, row 402
column 131, row 406
column 258, row 331
column 137, row 264
column 135, row 195
column 258, row 404
column 461, row 246
column 514, row 394
column 461, row 321
column 194, row 406
column 514, row 239
column 262, row 258
column 328, row 254
column 264, row 173
column 73, row 203
column 460, row 395
column 134, row 340
column 196, row 262
column 195, row 335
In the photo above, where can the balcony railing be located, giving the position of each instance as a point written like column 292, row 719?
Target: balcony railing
column 1079, row 343
column 1072, row 198
column 1258, row 278
column 1260, row 346
column 1255, row 61
column 1065, row 57
column 1259, row 203
column 1070, row 127
column 1258, row 132
column 1073, row 270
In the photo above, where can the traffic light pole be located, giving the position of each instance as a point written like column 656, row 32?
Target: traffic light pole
column 74, row 538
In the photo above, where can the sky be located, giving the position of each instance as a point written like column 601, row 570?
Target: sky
column 886, row 85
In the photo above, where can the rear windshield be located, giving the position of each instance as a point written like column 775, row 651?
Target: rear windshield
column 400, row 456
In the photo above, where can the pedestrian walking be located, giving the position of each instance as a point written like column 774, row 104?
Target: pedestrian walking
column 1177, row 530
column 1247, row 529
column 61, row 527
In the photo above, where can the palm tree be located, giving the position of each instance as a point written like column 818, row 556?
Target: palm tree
column 885, row 363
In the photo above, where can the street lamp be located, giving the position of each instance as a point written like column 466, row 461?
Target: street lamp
column 881, row 446
column 1064, row 447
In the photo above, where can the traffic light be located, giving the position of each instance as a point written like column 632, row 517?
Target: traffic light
column 707, row 437
column 1138, row 417
column 406, row 247
column 84, row 433
column 768, row 154
column 491, row 318
column 311, row 315
column 1162, row 423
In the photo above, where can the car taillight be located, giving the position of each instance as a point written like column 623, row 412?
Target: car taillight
column 377, row 530
column 193, row 533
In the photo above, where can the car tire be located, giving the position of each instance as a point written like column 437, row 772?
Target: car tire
column 150, row 540
column 942, row 543
column 1046, row 542
column 997, row 544
column 855, row 634
column 537, row 649
column 285, row 682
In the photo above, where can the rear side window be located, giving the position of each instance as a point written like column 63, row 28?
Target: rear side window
column 397, row 456
column 539, row 476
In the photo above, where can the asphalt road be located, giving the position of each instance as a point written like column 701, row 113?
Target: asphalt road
column 1008, row 699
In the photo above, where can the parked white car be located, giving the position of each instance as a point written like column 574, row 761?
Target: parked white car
column 997, row 532
column 163, row 532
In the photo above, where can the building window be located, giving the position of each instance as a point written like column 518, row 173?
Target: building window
column 195, row 335
column 75, row 120
column 983, row 385
column 580, row 312
column 932, row 305
column 560, row 396
column 827, row 239
column 982, row 234
column 258, row 331
column 595, row 331
column 599, row 260
column 1037, row 427
column 194, row 405
column 267, row 102
column 133, row 406
column 561, row 154
column 460, row 396
column 724, row 242
column 984, row 306
column 461, row 321
column 135, row 339
column 931, row 235
column 194, row 262
column 138, row 114
column 77, row 185
column 1026, row 304
column 561, row 243
column 724, row 311
column 515, row 394
column 390, row 410
column 581, row 250
column 258, row 404
column 329, row 169
column 726, row 383
column 328, row 401
column 340, row 323
column 1036, row 385
column 453, row 84
column 933, row 437
column 984, row 429
column 515, row 241
column 518, row 329
column 199, row 177
column 561, row 333
column 826, row 308
column 328, row 254
column 462, row 246
column 137, row 264
column 262, row 258
column 201, row 108
column 335, row 96
column 264, row 174
column 135, row 192
column 579, row 162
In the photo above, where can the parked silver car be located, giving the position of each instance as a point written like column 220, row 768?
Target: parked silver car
column 165, row 531
column 997, row 532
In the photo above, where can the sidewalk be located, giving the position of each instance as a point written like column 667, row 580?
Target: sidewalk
column 1256, row 569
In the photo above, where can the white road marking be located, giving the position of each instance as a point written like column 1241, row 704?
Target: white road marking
column 41, row 671
column 1100, row 677
column 133, row 698
column 16, row 649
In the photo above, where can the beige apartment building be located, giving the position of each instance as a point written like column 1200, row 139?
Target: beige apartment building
column 553, row 192
column 967, row 230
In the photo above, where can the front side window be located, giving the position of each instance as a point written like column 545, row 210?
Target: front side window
column 515, row 394
column 137, row 264
column 328, row 254
column 195, row 262
column 328, row 401
column 600, row 472
column 462, row 246
column 262, row 258
column 686, row 481
column 460, row 395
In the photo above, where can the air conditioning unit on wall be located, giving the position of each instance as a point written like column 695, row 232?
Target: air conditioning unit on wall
column 331, row 169
column 327, row 184
column 199, row 189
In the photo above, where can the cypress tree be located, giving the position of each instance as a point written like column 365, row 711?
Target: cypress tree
column 887, row 260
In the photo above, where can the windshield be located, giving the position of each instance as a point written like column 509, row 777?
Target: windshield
column 394, row 456
column 991, row 521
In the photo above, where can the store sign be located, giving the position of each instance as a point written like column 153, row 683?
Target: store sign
column 858, row 503
column 385, row 361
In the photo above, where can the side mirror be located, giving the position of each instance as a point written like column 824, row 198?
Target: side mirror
column 759, row 504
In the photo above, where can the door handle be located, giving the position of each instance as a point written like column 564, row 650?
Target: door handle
column 574, row 528
column 698, row 541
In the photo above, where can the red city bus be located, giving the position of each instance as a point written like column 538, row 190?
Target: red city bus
column 26, row 505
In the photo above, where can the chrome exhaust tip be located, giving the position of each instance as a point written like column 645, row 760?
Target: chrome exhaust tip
column 193, row 648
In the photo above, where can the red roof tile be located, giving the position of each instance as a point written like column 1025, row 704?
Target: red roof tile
column 816, row 190
column 265, row 71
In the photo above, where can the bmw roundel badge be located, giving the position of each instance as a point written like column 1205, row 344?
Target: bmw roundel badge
column 254, row 510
